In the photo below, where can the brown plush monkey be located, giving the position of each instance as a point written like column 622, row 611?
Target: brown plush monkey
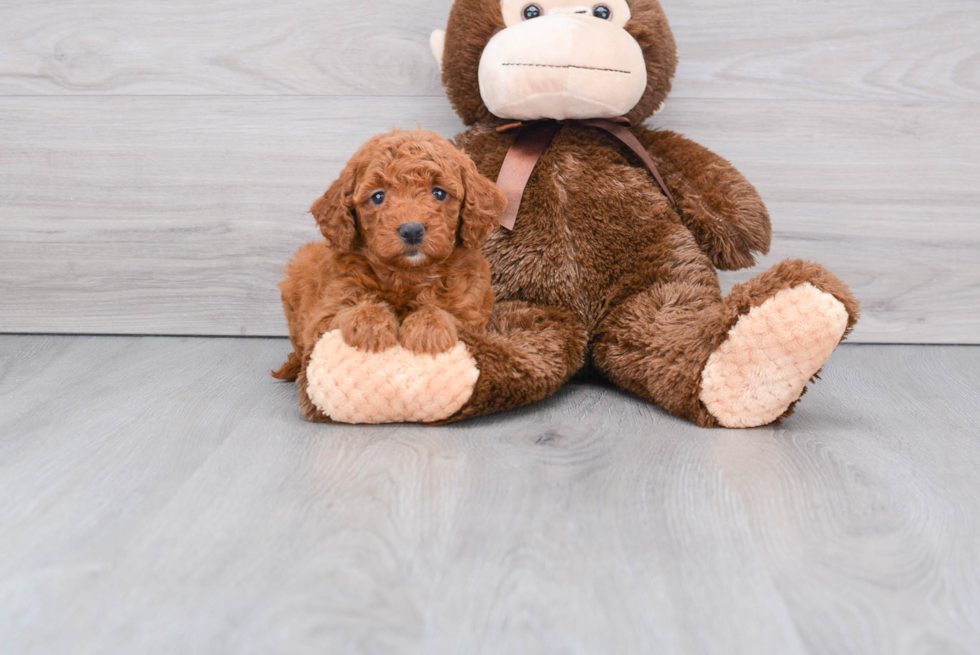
column 604, row 269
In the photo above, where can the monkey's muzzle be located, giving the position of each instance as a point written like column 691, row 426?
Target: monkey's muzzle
column 562, row 67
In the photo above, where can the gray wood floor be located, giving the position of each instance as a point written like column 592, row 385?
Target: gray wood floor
column 162, row 495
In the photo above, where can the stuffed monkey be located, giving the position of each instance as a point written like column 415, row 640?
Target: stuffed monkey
column 616, row 234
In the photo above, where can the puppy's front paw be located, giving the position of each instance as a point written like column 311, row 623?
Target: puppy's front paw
column 371, row 327
column 429, row 330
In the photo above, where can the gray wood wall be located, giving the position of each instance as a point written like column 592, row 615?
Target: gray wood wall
column 157, row 158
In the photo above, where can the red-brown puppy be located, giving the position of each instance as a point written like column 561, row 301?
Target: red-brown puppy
column 404, row 225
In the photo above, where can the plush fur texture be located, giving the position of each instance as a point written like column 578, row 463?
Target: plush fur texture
column 630, row 282
column 602, row 274
column 472, row 23
column 372, row 286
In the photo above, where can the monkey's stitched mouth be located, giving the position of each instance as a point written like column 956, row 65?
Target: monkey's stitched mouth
column 585, row 68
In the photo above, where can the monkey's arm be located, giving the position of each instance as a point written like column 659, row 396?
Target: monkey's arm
column 720, row 207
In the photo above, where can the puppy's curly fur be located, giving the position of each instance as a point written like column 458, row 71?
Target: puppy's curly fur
column 372, row 284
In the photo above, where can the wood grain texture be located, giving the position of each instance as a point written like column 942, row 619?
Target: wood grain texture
column 236, row 47
column 828, row 50
column 174, row 215
column 169, row 215
column 164, row 495
column 780, row 49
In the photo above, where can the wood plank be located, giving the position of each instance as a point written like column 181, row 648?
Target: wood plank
column 880, row 194
column 831, row 50
column 236, row 47
column 169, row 215
column 780, row 49
column 175, row 215
column 162, row 495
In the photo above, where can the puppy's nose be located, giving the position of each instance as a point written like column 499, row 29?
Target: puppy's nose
column 412, row 233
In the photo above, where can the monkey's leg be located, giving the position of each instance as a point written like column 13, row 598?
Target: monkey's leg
column 741, row 361
column 527, row 353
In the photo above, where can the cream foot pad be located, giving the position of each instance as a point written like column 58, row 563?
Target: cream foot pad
column 394, row 386
column 770, row 355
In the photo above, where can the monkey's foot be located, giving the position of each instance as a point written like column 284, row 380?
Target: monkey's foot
column 394, row 386
column 770, row 354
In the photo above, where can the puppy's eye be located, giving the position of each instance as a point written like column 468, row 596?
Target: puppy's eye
column 440, row 194
column 531, row 11
column 378, row 197
column 602, row 11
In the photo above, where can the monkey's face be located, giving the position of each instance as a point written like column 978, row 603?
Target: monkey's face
column 560, row 59
column 532, row 59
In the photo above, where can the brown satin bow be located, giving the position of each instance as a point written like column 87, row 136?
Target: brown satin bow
column 535, row 137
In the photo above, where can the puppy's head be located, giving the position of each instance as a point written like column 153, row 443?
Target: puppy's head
column 408, row 199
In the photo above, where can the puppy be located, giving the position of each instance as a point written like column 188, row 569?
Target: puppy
column 402, row 263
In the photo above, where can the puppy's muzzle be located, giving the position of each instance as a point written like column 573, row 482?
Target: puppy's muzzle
column 412, row 233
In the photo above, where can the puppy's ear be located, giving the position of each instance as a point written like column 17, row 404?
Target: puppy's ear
column 334, row 211
column 483, row 203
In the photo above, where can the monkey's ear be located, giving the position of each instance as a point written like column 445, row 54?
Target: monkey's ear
column 483, row 203
column 334, row 211
column 438, row 44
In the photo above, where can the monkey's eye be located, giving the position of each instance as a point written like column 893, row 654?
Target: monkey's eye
column 602, row 11
column 531, row 11
column 378, row 197
column 440, row 194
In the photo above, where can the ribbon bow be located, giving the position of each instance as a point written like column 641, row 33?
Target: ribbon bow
column 535, row 137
